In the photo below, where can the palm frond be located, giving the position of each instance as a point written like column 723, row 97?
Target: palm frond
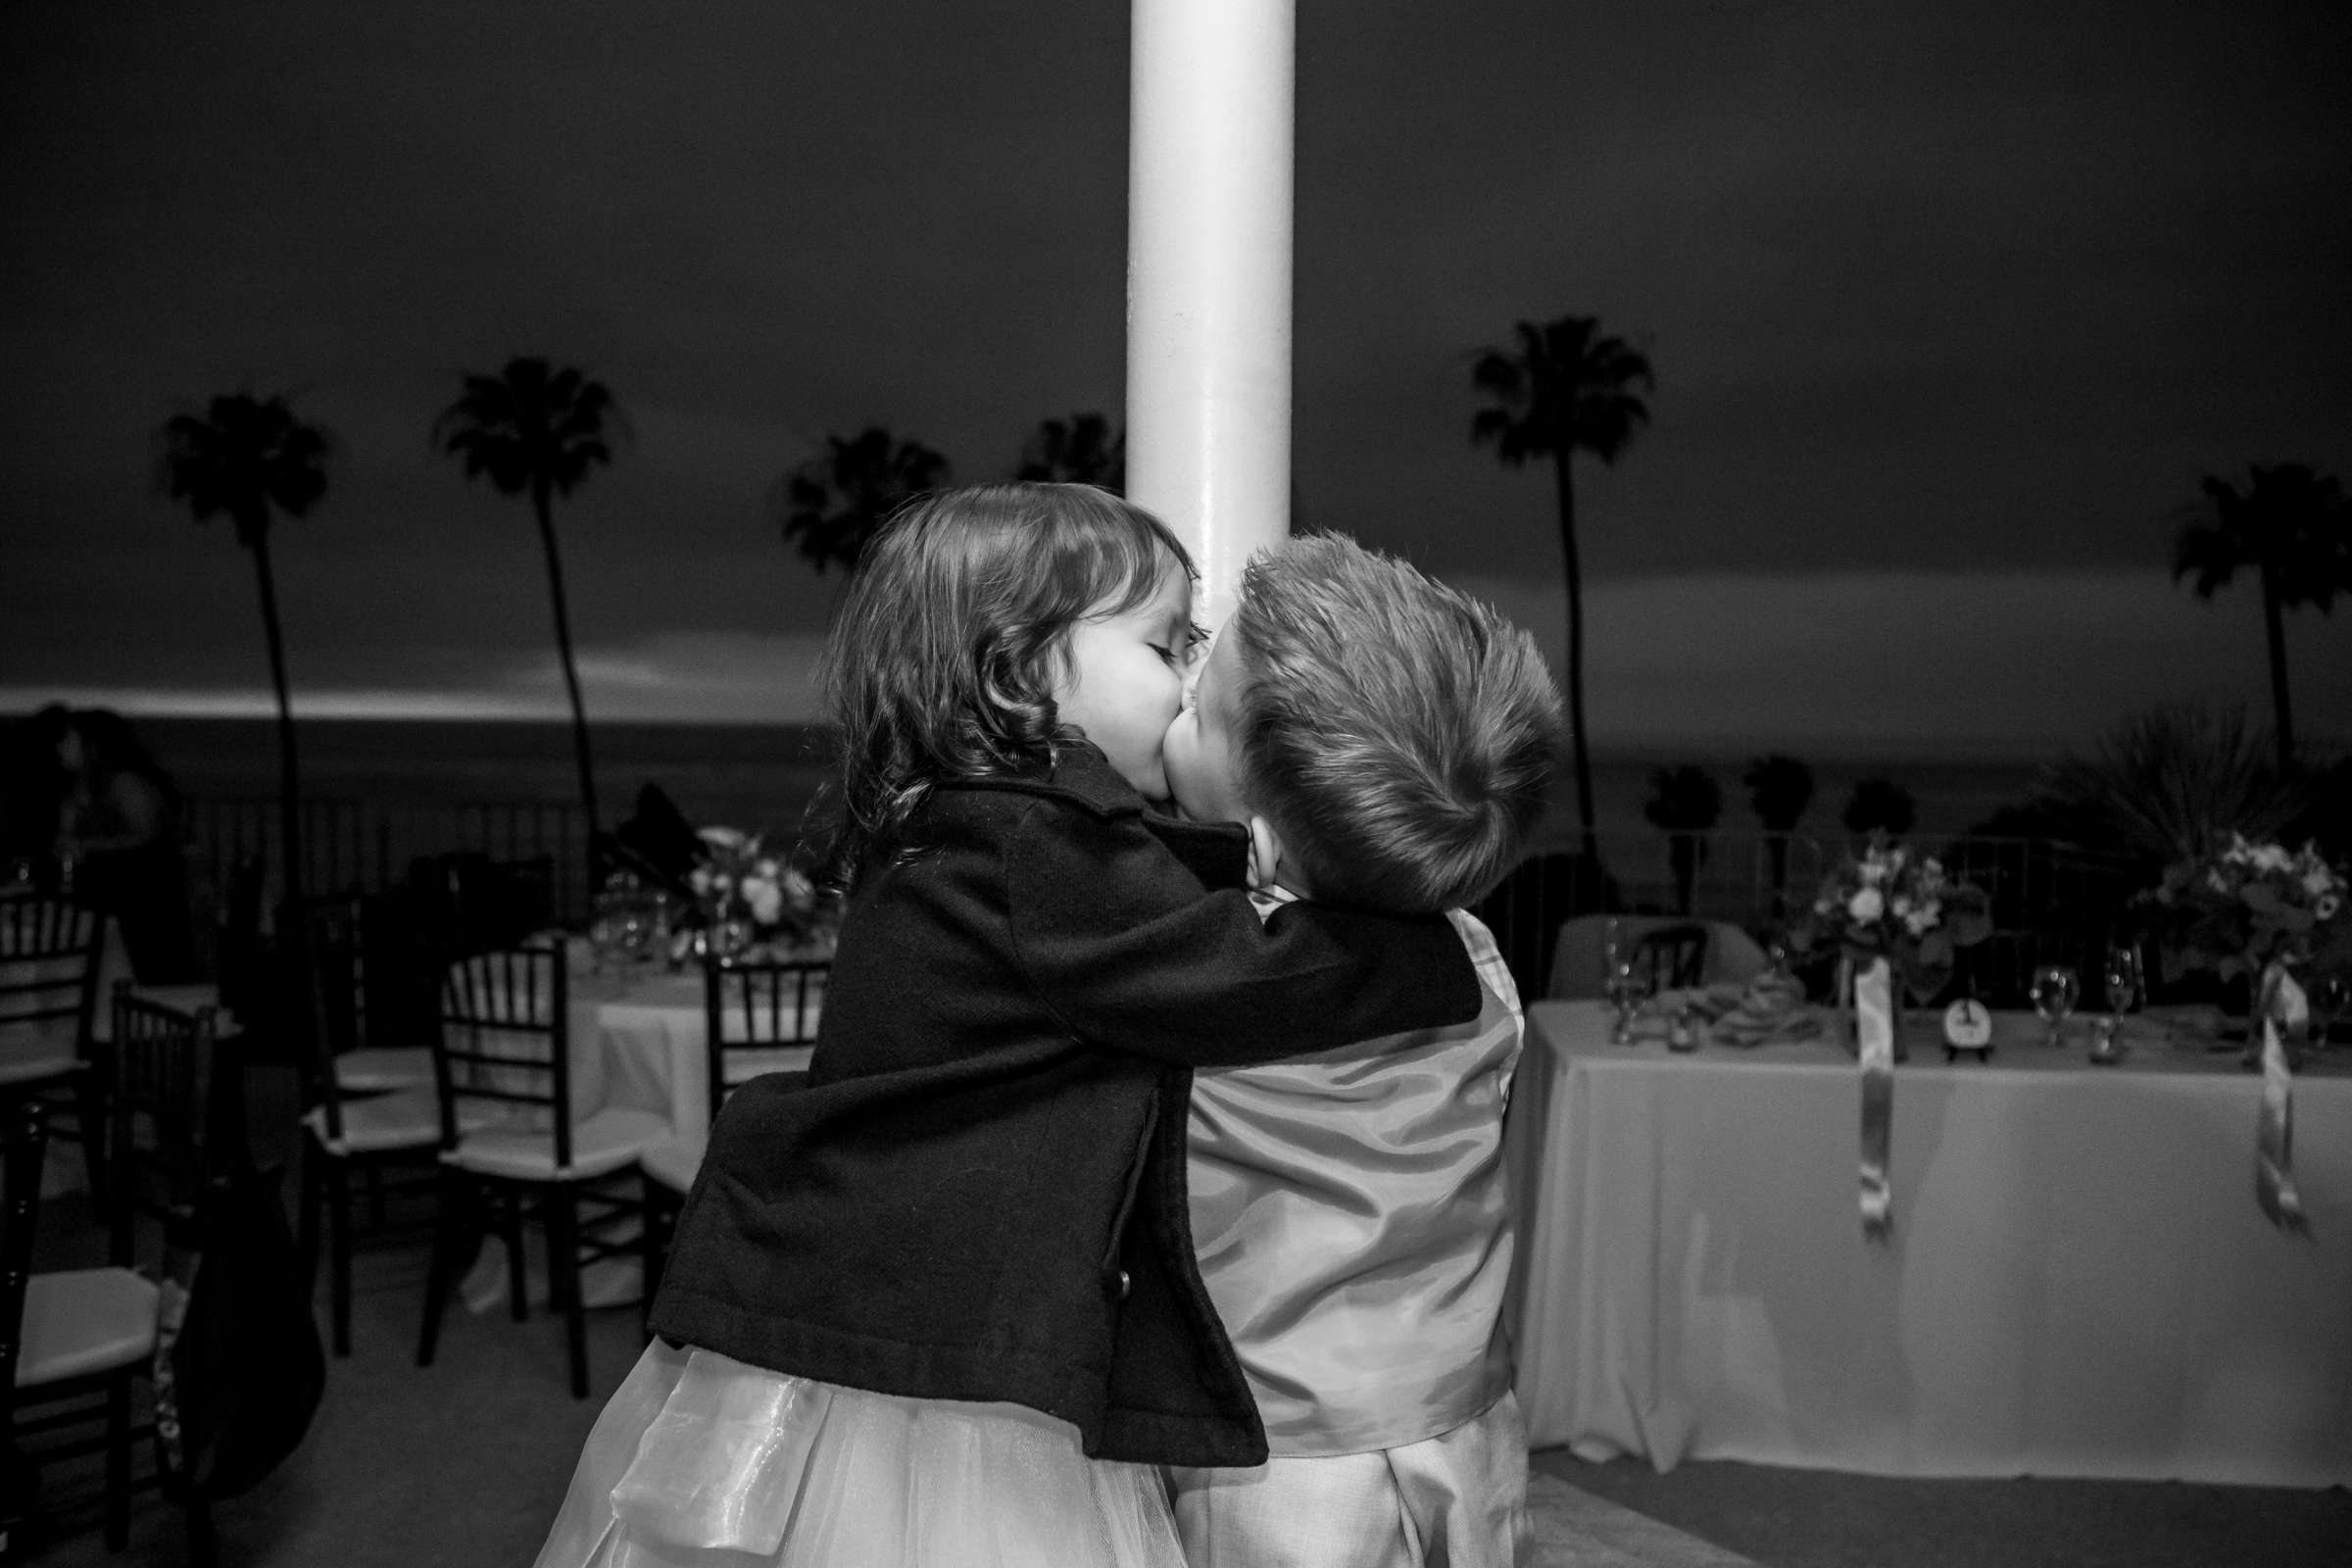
column 832, row 504
column 2173, row 782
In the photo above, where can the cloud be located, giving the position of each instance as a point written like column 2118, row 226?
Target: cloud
column 682, row 677
column 722, row 676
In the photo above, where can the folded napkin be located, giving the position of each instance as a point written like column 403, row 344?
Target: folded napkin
column 1769, row 1009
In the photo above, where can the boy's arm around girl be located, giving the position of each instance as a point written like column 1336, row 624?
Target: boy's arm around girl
column 980, row 1194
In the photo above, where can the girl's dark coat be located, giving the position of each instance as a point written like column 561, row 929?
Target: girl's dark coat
column 980, row 1193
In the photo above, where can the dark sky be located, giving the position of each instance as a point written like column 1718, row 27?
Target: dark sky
column 1951, row 308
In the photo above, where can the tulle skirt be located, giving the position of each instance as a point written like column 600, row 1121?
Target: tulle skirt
column 699, row 1459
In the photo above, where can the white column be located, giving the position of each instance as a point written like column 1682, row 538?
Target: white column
column 1208, row 277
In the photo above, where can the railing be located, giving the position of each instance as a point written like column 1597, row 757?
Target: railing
column 2051, row 902
column 367, row 846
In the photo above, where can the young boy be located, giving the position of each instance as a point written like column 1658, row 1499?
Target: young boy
column 1389, row 743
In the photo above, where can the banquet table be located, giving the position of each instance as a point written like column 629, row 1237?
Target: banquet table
column 638, row 1041
column 2079, row 1282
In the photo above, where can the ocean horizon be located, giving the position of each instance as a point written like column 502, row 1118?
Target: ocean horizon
column 762, row 777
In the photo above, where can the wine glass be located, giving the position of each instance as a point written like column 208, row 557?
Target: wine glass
column 2124, row 978
column 2056, row 989
column 1618, row 981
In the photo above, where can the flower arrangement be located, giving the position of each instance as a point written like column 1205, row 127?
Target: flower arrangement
column 739, row 884
column 2246, row 906
column 1889, row 903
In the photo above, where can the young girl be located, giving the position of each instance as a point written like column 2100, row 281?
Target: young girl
column 940, row 1306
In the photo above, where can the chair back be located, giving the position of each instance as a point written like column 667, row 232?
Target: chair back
column 1671, row 956
column 337, row 993
column 467, row 902
column 753, row 1008
column 163, row 1141
column 241, row 960
column 26, row 1133
column 506, row 1038
column 48, row 971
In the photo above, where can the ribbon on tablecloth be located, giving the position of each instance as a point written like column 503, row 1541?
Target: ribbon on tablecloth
column 2283, row 1009
column 1873, row 1038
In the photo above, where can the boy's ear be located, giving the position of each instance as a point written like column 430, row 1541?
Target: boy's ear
column 1266, row 855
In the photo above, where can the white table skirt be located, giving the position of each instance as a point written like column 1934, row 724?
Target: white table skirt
column 643, row 1044
column 2078, row 1283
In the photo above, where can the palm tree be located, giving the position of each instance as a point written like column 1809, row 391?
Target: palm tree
column 831, row 504
column 1565, row 388
column 1685, row 803
column 539, row 431
column 1087, row 450
column 253, row 459
column 1780, row 788
column 2292, row 526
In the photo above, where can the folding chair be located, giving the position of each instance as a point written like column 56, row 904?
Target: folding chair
column 1671, row 956
column 88, row 1336
column 49, row 952
column 389, row 1135
column 505, row 1043
column 759, row 1017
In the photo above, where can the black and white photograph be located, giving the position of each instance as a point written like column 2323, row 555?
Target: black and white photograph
column 1175, row 784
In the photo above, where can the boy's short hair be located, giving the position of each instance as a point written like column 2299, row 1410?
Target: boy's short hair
column 1398, row 734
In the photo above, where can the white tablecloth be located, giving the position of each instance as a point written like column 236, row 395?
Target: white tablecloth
column 642, row 1043
column 2078, row 1283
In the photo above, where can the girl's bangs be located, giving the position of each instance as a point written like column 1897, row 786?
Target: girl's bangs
column 1111, row 555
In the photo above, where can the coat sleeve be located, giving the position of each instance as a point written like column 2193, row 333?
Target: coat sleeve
column 1134, row 953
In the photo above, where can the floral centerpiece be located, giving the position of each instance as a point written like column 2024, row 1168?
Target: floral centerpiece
column 2262, row 911
column 745, row 895
column 1888, row 909
column 2245, row 908
column 1893, row 904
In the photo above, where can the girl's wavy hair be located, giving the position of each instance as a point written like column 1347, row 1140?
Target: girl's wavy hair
column 942, row 662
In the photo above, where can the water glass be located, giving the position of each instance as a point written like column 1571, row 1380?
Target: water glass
column 2056, row 990
column 2124, row 978
column 1618, row 981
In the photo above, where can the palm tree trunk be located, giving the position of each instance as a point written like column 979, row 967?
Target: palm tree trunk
column 571, row 674
column 2274, row 623
column 289, row 988
column 1682, row 854
column 289, row 772
column 1561, row 456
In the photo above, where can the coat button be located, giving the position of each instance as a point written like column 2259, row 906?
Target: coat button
column 1124, row 1283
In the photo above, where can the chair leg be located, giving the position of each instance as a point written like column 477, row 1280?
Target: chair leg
column 519, row 1279
column 563, row 1262
column 89, row 1108
column 312, row 1200
column 338, row 1244
column 450, row 1222
column 117, row 1464
column 653, row 1250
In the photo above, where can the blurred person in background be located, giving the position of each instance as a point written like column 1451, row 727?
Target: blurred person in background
column 115, row 845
